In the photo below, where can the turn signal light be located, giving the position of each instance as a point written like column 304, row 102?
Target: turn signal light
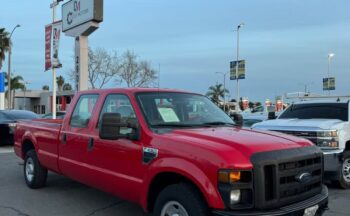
column 229, row 176
column 235, row 176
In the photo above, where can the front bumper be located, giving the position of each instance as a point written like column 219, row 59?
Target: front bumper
column 294, row 209
column 332, row 164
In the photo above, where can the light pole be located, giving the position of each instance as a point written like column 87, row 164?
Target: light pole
column 330, row 56
column 224, row 74
column 237, row 64
column 24, row 96
column 9, row 95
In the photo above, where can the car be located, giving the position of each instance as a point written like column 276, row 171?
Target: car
column 59, row 115
column 8, row 119
column 326, row 123
column 174, row 153
column 250, row 119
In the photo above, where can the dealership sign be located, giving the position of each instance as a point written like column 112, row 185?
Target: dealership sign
column 52, row 41
column 48, row 35
column 56, row 35
column 240, row 72
column 328, row 83
column 78, row 12
column 2, row 82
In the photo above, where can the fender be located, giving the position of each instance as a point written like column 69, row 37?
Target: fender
column 181, row 167
column 28, row 136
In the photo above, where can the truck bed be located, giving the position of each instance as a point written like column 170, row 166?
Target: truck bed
column 46, row 133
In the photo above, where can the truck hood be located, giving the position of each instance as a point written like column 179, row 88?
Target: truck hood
column 298, row 124
column 240, row 140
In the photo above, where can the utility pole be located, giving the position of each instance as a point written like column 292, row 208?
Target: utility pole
column 9, row 92
column 224, row 74
column 54, row 87
column 237, row 64
column 330, row 56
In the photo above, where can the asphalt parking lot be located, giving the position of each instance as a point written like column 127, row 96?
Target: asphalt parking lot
column 63, row 196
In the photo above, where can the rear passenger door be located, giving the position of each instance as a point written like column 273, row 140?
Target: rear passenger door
column 76, row 140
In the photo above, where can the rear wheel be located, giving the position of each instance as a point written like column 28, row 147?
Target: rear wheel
column 180, row 200
column 344, row 181
column 35, row 175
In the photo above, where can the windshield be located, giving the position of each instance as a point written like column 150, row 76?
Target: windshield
column 180, row 110
column 317, row 111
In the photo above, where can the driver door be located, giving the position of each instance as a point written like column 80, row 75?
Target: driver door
column 117, row 163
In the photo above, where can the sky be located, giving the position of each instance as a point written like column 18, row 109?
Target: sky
column 285, row 43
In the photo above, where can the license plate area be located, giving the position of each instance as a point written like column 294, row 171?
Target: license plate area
column 311, row 211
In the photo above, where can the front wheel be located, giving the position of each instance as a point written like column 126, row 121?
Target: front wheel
column 344, row 181
column 35, row 175
column 180, row 200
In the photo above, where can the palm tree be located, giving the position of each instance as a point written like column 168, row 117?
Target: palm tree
column 67, row 87
column 216, row 92
column 17, row 82
column 46, row 88
column 4, row 44
column 60, row 82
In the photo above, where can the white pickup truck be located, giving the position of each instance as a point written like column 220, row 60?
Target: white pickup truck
column 327, row 125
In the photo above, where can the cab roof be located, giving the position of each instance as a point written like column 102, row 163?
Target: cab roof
column 133, row 90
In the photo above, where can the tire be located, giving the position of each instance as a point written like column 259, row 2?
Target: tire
column 35, row 175
column 183, row 198
column 344, row 181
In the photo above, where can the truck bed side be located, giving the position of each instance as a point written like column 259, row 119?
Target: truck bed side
column 43, row 135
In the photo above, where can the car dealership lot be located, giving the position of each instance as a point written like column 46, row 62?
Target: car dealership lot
column 63, row 196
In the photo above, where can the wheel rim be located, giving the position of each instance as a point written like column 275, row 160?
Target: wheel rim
column 30, row 169
column 173, row 208
column 346, row 170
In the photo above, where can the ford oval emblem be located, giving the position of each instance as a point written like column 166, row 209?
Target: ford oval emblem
column 303, row 177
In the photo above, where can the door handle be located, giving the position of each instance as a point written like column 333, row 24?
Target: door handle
column 90, row 144
column 64, row 139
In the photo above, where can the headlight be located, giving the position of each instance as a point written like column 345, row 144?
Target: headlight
column 235, row 197
column 328, row 139
column 328, row 142
column 332, row 133
column 236, row 188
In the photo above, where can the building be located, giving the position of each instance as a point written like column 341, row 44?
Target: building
column 40, row 102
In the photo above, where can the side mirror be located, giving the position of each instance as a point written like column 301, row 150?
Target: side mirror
column 271, row 113
column 238, row 118
column 111, row 124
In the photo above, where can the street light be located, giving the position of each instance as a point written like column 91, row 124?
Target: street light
column 330, row 56
column 224, row 74
column 237, row 99
column 9, row 96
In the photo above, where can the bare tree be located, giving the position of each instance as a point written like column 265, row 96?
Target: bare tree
column 136, row 74
column 103, row 67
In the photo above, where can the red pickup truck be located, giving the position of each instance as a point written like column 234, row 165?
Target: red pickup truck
column 176, row 154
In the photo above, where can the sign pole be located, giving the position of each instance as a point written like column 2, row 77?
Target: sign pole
column 79, row 20
column 2, row 101
column 2, row 93
column 83, row 63
column 237, row 65
column 54, row 4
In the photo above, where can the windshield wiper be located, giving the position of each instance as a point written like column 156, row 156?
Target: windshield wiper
column 218, row 123
column 172, row 125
